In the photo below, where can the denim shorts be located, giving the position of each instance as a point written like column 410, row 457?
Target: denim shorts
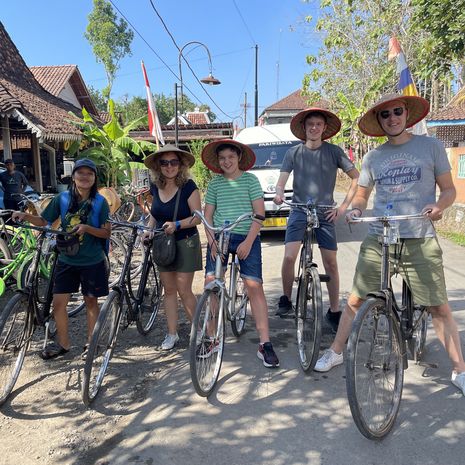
column 250, row 268
column 93, row 279
column 325, row 234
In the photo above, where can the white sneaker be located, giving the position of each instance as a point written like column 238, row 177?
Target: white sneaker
column 328, row 360
column 458, row 379
column 170, row 341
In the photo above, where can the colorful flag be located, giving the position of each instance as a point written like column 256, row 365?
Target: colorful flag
column 406, row 85
column 154, row 123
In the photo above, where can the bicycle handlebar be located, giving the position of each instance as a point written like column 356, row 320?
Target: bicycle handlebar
column 384, row 218
column 253, row 216
column 310, row 205
column 137, row 225
column 45, row 229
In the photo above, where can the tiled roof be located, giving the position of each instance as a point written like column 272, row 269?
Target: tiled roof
column 454, row 110
column 197, row 117
column 54, row 79
column 294, row 101
column 23, row 98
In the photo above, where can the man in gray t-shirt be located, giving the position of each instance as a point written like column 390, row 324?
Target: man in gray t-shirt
column 405, row 171
column 314, row 164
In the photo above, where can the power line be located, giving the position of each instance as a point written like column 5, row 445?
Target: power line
column 187, row 62
column 151, row 48
column 245, row 24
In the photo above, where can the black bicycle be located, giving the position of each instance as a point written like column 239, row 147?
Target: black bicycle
column 383, row 335
column 127, row 302
column 27, row 310
column 309, row 302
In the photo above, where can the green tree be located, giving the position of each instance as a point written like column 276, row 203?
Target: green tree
column 445, row 45
column 110, row 147
column 110, row 39
column 97, row 97
column 202, row 175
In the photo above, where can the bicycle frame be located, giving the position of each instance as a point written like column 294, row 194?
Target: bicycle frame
column 126, row 292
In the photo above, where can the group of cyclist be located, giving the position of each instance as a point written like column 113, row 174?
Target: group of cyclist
column 404, row 171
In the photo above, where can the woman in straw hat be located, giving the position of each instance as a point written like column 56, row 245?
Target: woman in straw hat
column 169, row 169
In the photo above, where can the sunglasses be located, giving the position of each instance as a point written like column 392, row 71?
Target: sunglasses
column 172, row 162
column 385, row 114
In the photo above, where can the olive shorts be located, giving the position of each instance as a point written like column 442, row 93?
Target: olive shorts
column 420, row 265
column 188, row 256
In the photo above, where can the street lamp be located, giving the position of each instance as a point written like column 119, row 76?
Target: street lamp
column 210, row 80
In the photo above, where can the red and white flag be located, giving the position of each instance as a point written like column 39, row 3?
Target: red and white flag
column 154, row 123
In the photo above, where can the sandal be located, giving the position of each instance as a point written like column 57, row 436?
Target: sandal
column 53, row 350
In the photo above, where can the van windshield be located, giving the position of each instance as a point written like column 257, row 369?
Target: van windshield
column 271, row 154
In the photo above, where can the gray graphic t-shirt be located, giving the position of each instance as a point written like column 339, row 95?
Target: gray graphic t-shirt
column 315, row 171
column 405, row 175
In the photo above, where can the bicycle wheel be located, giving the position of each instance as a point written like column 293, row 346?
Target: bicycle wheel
column 126, row 211
column 241, row 301
column 15, row 331
column 148, row 309
column 309, row 314
column 101, row 347
column 206, row 343
column 375, row 369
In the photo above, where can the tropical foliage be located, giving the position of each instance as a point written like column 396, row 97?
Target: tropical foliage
column 110, row 147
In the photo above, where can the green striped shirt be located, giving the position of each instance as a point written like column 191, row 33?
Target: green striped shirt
column 232, row 198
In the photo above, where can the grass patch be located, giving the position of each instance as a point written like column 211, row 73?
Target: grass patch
column 453, row 236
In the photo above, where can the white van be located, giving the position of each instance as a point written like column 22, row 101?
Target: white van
column 270, row 143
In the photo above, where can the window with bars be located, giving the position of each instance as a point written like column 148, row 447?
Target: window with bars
column 461, row 170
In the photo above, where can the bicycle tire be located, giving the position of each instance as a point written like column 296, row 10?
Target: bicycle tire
column 5, row 252
column 148, row 309
column 15, row 334
column 309, row 316
column 241, row 301
column 206, row 350
column 126, row 211
column 101, row 347
column 374, row 369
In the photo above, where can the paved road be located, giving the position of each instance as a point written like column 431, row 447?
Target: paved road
column 255, row 416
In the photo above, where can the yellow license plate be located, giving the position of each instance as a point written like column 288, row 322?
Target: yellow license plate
column 275, row 222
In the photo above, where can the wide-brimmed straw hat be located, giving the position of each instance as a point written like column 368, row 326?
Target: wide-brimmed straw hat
column 333, row 123
column 417, row 109
column 186, row 157
column 210, row 156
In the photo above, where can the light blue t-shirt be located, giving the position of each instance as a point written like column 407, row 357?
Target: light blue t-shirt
column 405, row 175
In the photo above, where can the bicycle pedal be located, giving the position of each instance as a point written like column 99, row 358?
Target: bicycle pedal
column 324, row 278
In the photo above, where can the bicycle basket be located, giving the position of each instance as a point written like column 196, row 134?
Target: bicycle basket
column 67, row 245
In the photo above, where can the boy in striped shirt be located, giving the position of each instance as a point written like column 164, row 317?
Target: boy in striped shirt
column 230, row 195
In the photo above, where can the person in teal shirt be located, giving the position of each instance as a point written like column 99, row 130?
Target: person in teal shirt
column 230, row 195
column 88, row 268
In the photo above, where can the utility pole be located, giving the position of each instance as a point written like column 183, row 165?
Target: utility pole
column 245, row 105
column 256, row 85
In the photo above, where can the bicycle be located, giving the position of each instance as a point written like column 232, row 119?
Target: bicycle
column 377, row 347
column 309, row 302
column 123, row 306
column 215, row 306
column 17, row 248
column 27, row 310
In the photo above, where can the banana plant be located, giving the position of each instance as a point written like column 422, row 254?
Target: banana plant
column 110, row 146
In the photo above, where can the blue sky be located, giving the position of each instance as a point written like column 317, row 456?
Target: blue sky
column 50, row 32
